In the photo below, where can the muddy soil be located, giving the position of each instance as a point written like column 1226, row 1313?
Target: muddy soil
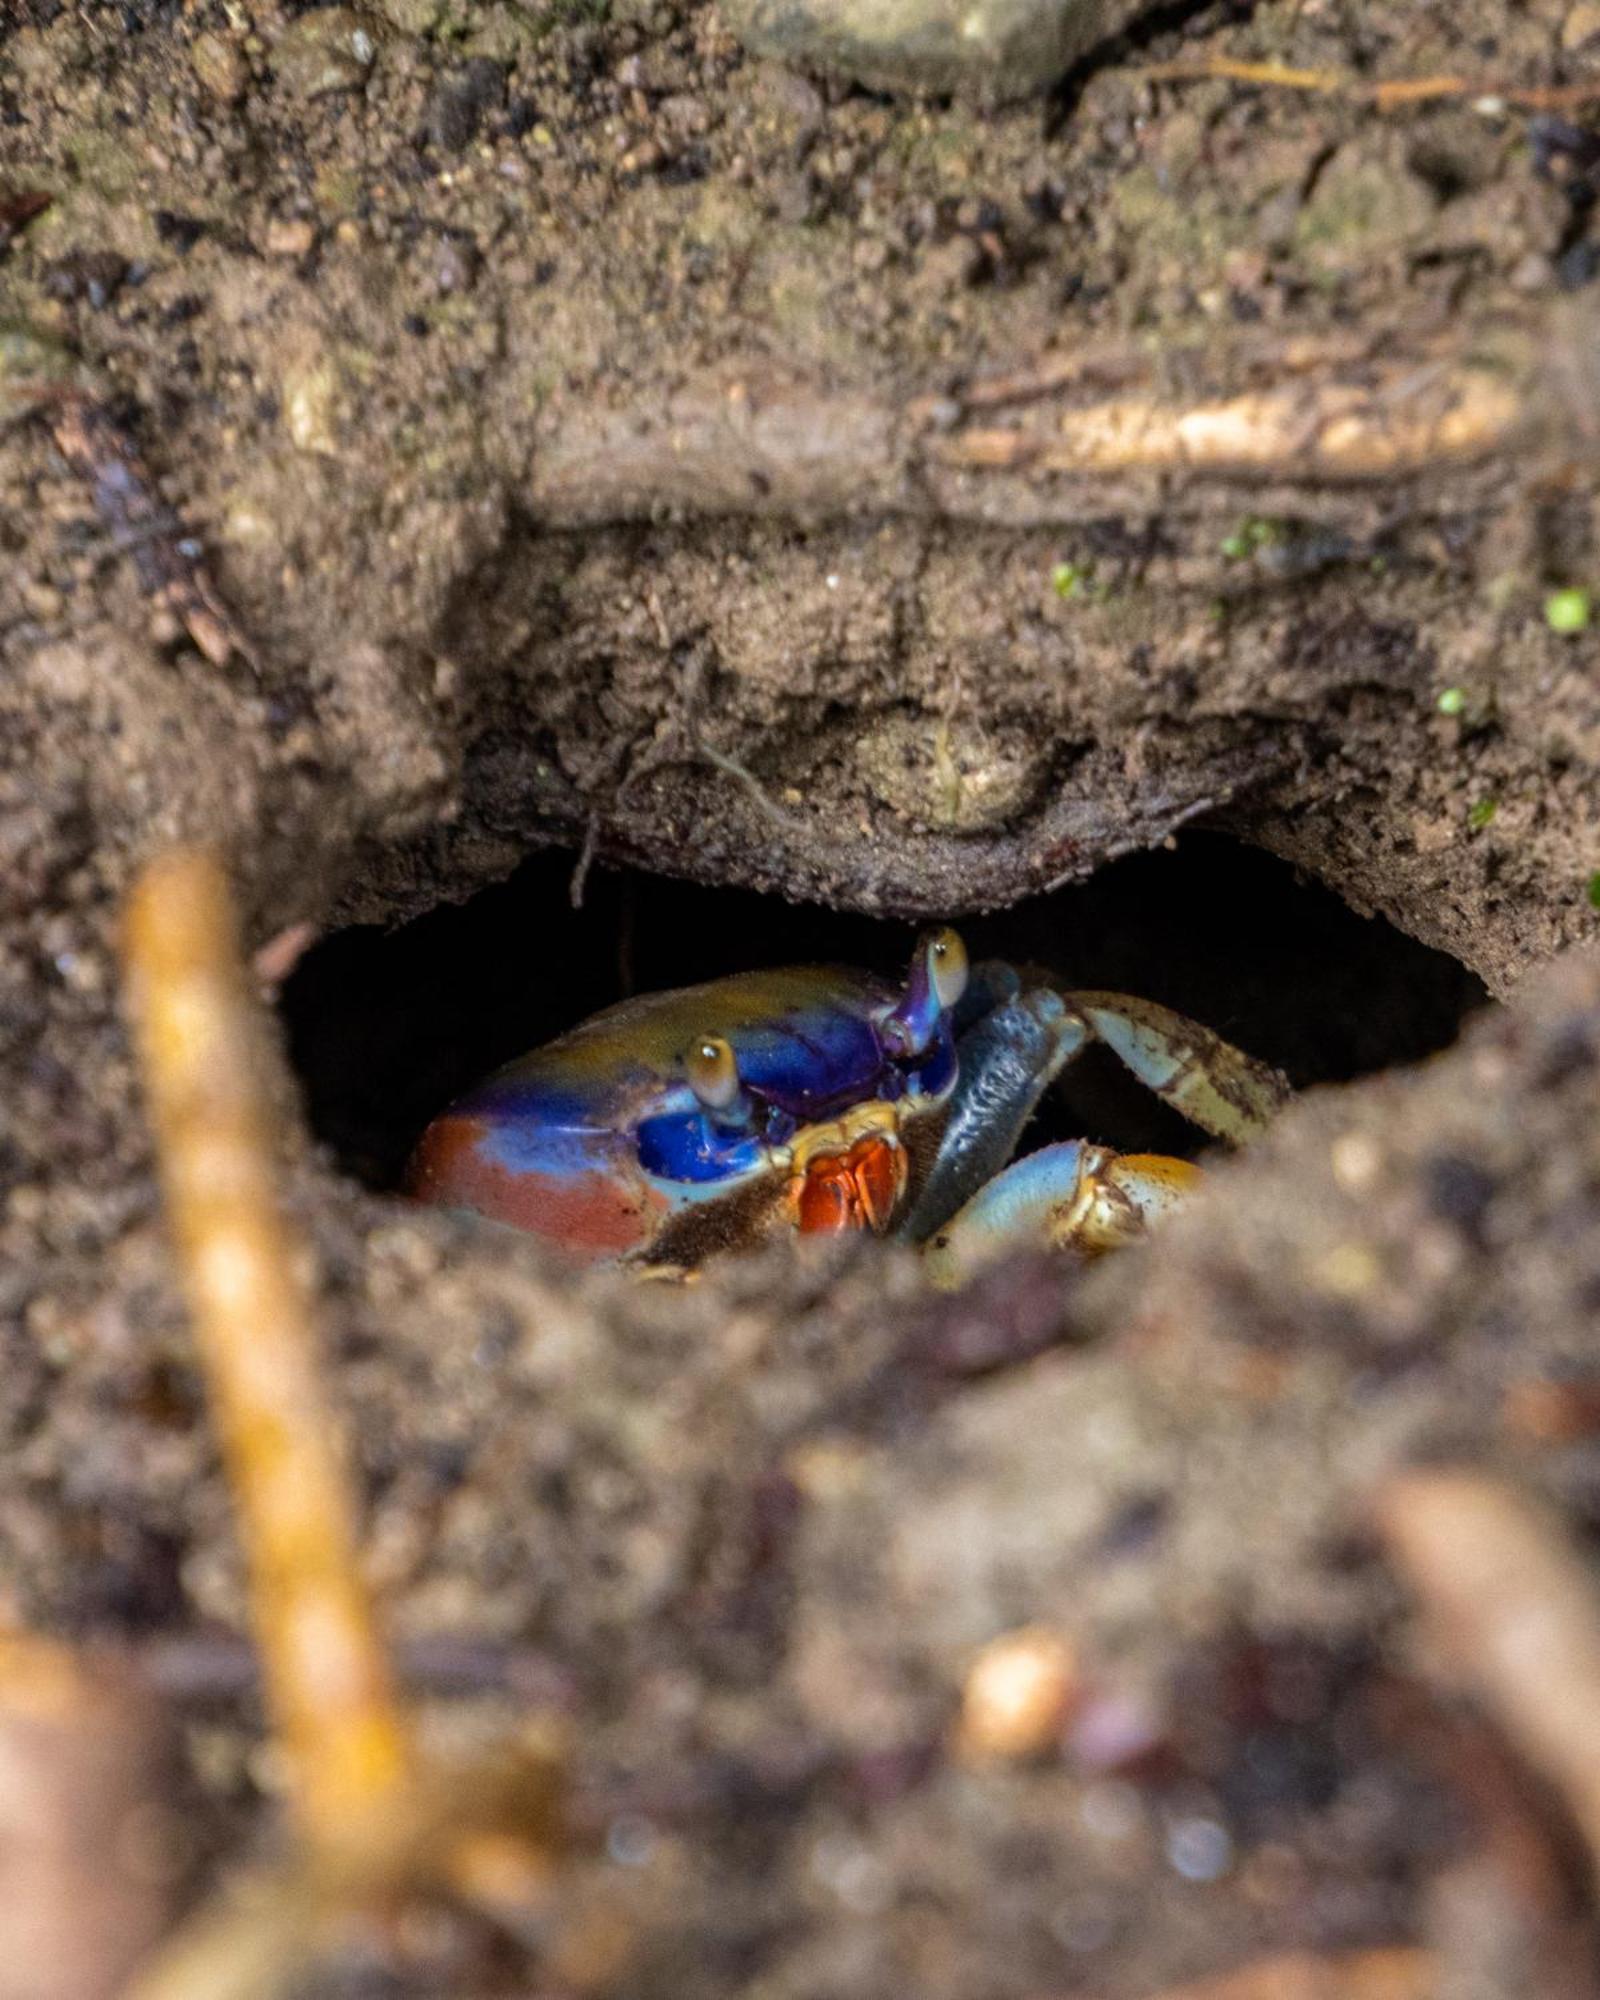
column 607, row 442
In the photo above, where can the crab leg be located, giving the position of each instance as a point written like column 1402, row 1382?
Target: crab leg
column 1013, row 1053
column 1215, row 1086
column 1072, row 1196
column 1007, row 1062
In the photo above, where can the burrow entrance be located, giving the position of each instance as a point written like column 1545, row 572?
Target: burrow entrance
column 386, row 1026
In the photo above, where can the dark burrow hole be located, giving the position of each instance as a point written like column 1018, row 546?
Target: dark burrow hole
column 386, row 1026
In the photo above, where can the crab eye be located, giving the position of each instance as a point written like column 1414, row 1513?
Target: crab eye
column 937, row 980
column 713, row 1073
column 947, row 966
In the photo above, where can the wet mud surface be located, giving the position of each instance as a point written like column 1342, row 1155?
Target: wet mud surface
column 610, row 443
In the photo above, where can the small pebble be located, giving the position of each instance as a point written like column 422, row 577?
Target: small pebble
column 412, row 17
column 996, row 51
column 324, row 52
column 1017, row 1696
column 309, row 395
column 1349, row 1270
column 1356, row 1159
column 290, row 236
column 685, row 113
column 219, row 67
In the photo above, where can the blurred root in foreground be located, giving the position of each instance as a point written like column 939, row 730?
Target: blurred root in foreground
column 372, row 1822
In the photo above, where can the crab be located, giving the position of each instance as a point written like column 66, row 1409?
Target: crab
column 677, row 1125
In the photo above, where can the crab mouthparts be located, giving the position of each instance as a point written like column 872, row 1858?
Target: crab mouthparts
column 849, row 1174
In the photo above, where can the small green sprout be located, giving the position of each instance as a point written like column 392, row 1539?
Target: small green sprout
column 1481, row 812
column 1567, row 611
column 1251, row 534
column 1594, row 890
column 1070, row 579
column 1470, row 707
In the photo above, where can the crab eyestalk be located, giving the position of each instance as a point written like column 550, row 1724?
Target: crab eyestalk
column 713, row 1073
column 937, row 980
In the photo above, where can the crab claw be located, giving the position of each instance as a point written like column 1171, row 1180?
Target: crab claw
column 1072, row 1196
column 937, row 980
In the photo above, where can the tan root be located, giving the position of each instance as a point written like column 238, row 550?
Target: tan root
column 1514, row 1612
column 327, row 1677
column 1296, row 424
column 1386, row 93
column 373, row 1821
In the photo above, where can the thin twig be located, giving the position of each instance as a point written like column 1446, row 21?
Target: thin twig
column 765, row 803
column 1387, row 94
column 585, row 861
column 98, row 448
column 768, row 807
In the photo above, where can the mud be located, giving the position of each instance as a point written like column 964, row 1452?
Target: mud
column 636, row 449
